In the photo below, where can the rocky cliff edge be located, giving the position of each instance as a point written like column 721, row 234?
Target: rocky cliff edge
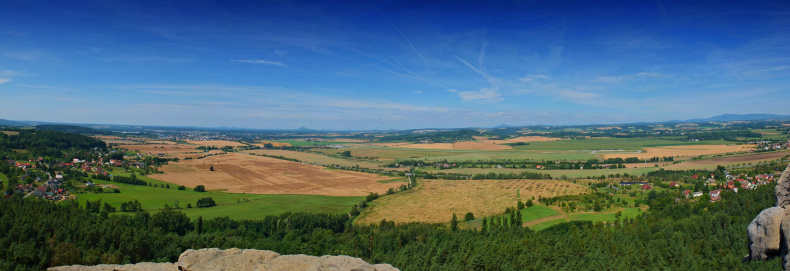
column 241, row 259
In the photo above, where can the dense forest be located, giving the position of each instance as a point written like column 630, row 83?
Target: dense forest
column 674, row 234
column 72, row 129
column 46, row 142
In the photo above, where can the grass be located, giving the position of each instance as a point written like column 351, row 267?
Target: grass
column 405, row 180
column 536, row 212
column 609, row 217
column 547, row 224
column 610, row 144
column 527, row 214
column 300, row 143
column 237, row 206
column 266, row 205
column 4, row 179
column 571, row 173
column 594, row 217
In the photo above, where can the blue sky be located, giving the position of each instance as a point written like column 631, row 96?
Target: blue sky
column 390, row 64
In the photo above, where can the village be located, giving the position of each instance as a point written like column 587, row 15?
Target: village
column 52, row 181
column 729, row 182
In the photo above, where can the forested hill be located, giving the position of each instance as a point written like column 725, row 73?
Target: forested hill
column 72, row 129
column 673, row 235
column 46, row 142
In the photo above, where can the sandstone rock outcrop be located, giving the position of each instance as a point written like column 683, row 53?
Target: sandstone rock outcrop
column 241, row 259
column 769, row 232
column 764, row 234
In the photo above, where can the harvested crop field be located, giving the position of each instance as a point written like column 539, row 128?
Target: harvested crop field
column 429, row 146
column 683, row 150
column 729, row 161
column 216, row 143
column 435, row 201
column 319, row 159
column 245, row 173
column 524, row 139
column 462, row 145
column 275, row 144
column 166, row 149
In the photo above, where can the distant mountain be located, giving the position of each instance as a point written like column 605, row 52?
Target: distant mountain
column 503, row 126
column 10, row 123
column 741, row 117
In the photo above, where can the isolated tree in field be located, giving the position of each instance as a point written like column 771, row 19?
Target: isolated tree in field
column 520, row 205
column 345, row 154
column 206, row 202
column 454, row 223
column 211, row 168
column 469, row 216
column 200, row 188
column 182, row 187
column 529, row 203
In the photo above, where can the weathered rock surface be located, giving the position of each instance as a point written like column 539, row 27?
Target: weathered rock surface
column 764, row 234
column 769, row 232
column 782, row 189
column 241, row 259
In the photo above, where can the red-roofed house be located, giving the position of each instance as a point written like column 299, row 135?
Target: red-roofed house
column 646, row 187
column 715, row 195
column 674, row 184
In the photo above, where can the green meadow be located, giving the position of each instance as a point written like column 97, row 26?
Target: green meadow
column 610, row 144
column 527, row 214
column 594, row 217
column 236, row 206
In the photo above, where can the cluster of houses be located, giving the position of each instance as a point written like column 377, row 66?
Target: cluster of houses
column 51, row 189
column 733, row 182
column 769, row 145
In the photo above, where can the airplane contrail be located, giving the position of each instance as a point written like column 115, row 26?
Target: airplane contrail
column 404, row 36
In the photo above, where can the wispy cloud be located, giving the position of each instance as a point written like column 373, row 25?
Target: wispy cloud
column 417, row 92
column 27, row 55
column 484, row 95
column 568, row 94
column 261, row 61
column 533, row 77
column 488, row 94
column 621, row 78
column 145, row 59
column 4, row 80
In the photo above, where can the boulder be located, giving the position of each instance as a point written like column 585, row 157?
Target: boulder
column 241, row 259
column 764, row 234
column 120, row 267
column 229, row 259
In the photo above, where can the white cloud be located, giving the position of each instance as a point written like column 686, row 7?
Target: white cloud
column 8, row 73
column 484, row 95
column 533, row 77
column 4, row 80
column 621, row 78
column 418, row 91
column 577, row 95
column 29, row 55
column 145, row 59
column 261, row 61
